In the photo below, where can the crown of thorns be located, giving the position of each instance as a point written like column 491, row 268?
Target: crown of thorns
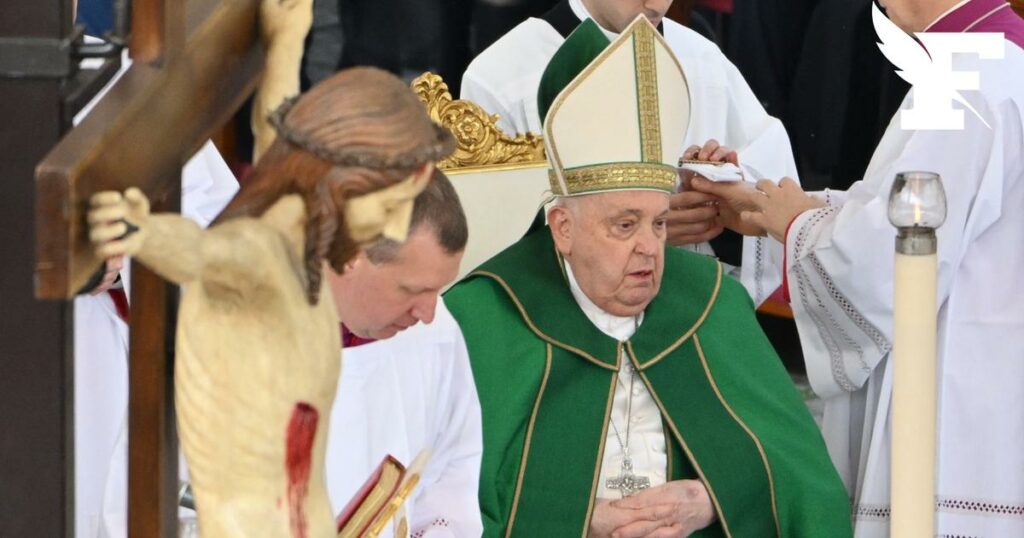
column 442, row 145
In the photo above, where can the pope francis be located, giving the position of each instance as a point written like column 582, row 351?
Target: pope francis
column 626, row 388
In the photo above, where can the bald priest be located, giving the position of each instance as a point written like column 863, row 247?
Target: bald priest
column 626, row 388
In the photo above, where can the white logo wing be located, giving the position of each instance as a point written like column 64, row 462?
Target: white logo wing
column 911, row 59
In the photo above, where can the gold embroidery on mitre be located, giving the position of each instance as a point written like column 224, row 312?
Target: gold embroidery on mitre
column 601, row 177
column 647, row 93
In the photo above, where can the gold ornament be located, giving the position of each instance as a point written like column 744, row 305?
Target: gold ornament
column 479, row 141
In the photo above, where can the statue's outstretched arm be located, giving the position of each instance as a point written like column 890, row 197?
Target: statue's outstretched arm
column 284, row 25
column 169, row 244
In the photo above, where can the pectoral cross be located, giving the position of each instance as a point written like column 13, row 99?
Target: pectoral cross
column 628, row 483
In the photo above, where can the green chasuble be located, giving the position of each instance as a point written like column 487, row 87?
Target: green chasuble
column 546, row 379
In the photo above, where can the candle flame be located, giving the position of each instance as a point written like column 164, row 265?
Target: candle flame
column 915, row 187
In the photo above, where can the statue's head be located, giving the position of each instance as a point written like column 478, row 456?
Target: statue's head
column 358, row 147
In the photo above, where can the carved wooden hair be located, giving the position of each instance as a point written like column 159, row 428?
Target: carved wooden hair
column 356, row 132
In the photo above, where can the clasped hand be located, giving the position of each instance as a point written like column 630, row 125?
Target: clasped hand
column 673, row 510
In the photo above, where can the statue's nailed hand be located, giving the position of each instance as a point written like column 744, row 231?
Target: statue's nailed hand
column 117, row 223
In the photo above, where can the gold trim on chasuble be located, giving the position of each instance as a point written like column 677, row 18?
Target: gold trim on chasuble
column 608, row 176
column 686, row 448
column 668, row 451
column 526, row 443
column 682, row 443
column 753, row 436
column 600, row 452
column 529, row 438
column 539, row 333
column 690, row 332
column 647, row 94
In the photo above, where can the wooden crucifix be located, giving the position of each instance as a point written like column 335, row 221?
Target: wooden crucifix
column 193, row 67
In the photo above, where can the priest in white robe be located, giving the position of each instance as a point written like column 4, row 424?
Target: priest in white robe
column 397, row 397
column 839, row 268
column 101, row 355
column 504, row 80
column 406, row 384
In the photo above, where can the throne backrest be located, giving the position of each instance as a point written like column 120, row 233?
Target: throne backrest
column 501, row 179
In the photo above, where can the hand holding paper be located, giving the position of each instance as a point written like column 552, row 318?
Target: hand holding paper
column 763, row 209
column 713, row 171
column 693, row 216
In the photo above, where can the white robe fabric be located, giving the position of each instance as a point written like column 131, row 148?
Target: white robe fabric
column 101, row 361
column 399, row 396
column 504, row 79
column 840, row 270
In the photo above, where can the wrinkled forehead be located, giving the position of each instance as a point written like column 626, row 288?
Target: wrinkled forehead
column 606, row 205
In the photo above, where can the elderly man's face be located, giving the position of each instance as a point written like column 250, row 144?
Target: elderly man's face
column 615, row 15
column 615, row 244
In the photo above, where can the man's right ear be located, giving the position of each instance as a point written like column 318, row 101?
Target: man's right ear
column 351, row 264
column 356, row 260
column 560, row 223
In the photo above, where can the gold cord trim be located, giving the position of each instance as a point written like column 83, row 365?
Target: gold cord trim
column 526, row 444
column 682, row 443
column 693, row 329
column 600, row 453
column 538, row 332
column 757, row 442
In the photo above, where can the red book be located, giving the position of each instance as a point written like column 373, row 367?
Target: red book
column 371, row 499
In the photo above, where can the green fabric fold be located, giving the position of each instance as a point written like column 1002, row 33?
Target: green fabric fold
column 584, row 44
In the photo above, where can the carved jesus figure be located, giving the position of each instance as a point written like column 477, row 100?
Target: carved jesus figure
column 257, row 344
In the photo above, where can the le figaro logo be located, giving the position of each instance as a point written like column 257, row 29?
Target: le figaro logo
column 931, row 73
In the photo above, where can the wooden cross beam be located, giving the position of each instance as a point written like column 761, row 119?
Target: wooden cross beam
column 193, row 67
column 143, row 131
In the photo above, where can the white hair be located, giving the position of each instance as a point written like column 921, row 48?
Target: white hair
column 569, row 203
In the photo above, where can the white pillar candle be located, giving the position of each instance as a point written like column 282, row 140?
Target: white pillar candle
column 917, row 206
column 913, row 405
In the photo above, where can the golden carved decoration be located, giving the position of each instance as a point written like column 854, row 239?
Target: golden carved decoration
column 479, row 142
